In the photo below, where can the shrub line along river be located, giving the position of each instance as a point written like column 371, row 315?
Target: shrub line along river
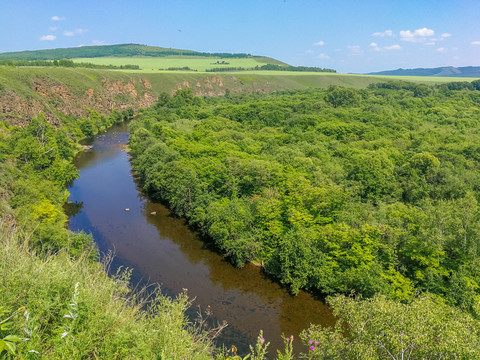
column 160, row 248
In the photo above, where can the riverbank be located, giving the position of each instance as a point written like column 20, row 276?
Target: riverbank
column 56, row 301
column 161, row 248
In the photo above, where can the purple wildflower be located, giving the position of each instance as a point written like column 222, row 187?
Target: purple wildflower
column 312, row 348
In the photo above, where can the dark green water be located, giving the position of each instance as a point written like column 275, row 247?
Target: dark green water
column 162, row 249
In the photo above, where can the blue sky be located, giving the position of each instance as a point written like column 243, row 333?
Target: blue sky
column 349, row 36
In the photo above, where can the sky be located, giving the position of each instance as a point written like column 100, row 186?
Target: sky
column 350, row 36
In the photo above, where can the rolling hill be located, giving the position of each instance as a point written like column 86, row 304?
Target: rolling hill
column 122, row 51
column 60, row 91
column 446, row 71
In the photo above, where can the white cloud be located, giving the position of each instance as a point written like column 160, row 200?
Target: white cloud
column 374, row 46
column 424, row 32
column 48, row 37
column 75, row 32
column 53, row 28
column 475, row 43
column 445, row 35
column 319, row 43
column 58, row 18
column 323, row 56
column 384, row 33
column 418, row 36
column 309, row 51
column 393, row 47
column 441, row 49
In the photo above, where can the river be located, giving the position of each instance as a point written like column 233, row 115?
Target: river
column 161, row 248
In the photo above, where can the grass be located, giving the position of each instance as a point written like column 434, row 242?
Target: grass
column 70, row 309
column 158, row 64
column 80, row 82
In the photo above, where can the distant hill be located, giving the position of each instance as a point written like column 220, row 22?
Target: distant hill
column 122, row 50
column 446, row 71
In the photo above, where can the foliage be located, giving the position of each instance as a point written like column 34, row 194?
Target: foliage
column 122, row 50
column 65, row 63
column 378, row 328
column 332, row 190
column 273, row 67
column 59, row 307
column 55, row 302
column 7, row 342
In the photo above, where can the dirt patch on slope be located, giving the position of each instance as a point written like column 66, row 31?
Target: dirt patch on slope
column 53, row 98
column 16, row 110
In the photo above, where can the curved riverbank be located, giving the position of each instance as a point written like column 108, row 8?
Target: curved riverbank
column 162, row 249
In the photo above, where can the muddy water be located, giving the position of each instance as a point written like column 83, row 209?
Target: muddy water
column 162, row 249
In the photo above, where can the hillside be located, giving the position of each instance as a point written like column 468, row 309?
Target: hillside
column 446, row 71
column 121, row 50
column 146, row 58
column 59, row 92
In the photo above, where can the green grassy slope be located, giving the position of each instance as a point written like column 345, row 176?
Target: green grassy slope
column 196, row 63
column 70, row 309
column 58, row 92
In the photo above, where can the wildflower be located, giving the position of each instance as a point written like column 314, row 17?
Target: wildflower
column 316, row 343
column 262, row 340
column 310, row 342
column 312, row 348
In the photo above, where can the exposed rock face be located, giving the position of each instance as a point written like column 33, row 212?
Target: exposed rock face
column 15, row 109
column 53, row 98
column 210, row 86
column 63, row 92
column 118, row 87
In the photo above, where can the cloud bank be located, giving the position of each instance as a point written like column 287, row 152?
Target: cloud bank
column 417, row 36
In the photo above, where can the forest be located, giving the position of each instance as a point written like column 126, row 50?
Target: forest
column 57, row 301
column 371, row 191
column 65, row 63
column 367, row 198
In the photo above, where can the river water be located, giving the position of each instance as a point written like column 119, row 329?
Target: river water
column 160, row 248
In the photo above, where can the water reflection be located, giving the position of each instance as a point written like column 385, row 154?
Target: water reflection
column 162, row 249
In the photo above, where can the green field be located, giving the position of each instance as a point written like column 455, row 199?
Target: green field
column 152, row 65
column 196, row 63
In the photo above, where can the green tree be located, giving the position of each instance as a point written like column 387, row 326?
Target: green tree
column 378, row 328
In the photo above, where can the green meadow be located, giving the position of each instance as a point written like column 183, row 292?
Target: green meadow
column 160, row 65
column 196, row 63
